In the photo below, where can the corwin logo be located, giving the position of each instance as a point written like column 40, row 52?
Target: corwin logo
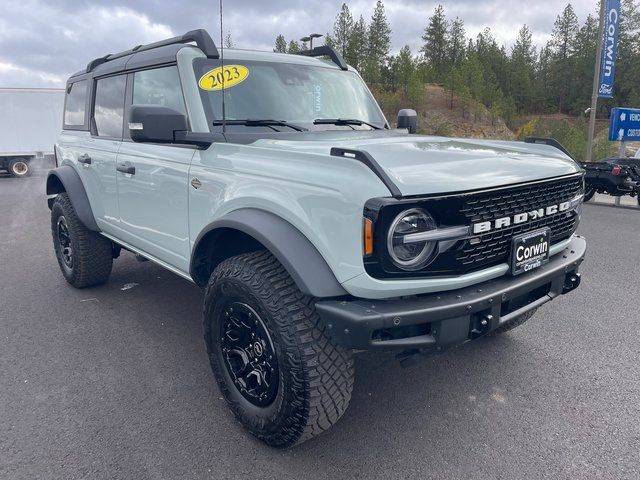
column 520, row 218
column 609, row 42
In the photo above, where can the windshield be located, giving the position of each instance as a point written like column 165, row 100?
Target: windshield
column 292, row 93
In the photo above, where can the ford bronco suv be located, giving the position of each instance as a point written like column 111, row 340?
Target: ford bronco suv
column 276, row 184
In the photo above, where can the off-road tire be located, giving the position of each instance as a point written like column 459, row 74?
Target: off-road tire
column 315, row 375
column 92, row 255
column 516, row 322
column 18, row 167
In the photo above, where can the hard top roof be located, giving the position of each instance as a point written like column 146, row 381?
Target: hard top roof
column 165, row 51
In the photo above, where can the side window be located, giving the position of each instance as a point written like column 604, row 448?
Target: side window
column 160, row 86
column 74, row 104
column 108, row 112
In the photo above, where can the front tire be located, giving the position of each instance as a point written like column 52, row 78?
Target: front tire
column 85, row 257
column 282, row 376
column 18, row 167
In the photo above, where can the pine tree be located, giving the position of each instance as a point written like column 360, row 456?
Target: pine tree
column 379, row 44
column 405, row 68
column 522, row 70
column 456, row 43
column 627, row 88
column 583, row 64
column 435, row 43
column 294, row 47
column 281, row 45
column 543, row 94
column 357, row 44
column 329, row 41
column 565, row 30
column 342, row 30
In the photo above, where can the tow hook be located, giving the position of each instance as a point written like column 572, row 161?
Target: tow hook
column 571, row 282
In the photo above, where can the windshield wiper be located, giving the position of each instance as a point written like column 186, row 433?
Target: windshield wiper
column 249, row 122
column 344, row 121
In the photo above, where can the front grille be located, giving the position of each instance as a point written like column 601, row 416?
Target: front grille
column 494, row 247
column 483, row 250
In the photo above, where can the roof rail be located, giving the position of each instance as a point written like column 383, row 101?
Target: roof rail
column 552, row 142
column 201, row 38
column 326, row 50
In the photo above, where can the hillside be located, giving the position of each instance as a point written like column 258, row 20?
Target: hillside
column 436, row 117
column 473, row 120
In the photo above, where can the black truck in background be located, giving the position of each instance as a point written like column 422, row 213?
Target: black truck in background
column 617, row 176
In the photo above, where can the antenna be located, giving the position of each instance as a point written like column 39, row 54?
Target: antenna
column 224, row 114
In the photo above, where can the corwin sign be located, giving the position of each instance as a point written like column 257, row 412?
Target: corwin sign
column 609, row 48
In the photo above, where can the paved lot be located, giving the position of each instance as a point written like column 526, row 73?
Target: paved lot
column 113, row 383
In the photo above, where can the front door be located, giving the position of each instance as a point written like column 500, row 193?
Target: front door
column 96, row 154
column 153, row 179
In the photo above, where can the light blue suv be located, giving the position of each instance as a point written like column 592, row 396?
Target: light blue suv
column 275, row 183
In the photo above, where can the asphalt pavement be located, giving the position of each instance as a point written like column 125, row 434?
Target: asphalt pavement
column 113, row 382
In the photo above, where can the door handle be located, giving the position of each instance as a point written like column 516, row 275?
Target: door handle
column 126, row 167
column 84, row 158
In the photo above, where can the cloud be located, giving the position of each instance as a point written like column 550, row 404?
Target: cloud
column 42, row 43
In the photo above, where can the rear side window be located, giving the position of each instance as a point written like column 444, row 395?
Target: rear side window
column 108, row 113
column 160, row 86
column 74, row 104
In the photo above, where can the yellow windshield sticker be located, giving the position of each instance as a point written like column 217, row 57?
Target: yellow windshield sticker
column 229, row 76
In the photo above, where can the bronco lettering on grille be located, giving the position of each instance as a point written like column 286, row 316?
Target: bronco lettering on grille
column 520, row 218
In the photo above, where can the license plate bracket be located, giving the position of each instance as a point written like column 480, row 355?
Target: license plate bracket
column 530, row 251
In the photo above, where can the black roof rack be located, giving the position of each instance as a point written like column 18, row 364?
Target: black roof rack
column 201, row 38
column 552, row 142
column 326, row 50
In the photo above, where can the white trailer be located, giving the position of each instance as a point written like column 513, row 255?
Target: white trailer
column 30, row 122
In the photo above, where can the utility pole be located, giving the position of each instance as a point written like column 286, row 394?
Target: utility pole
column 596, row 81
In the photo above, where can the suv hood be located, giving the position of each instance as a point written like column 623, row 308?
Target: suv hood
column 421, row 165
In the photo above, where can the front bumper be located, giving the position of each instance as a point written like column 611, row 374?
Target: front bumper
column 439, row 321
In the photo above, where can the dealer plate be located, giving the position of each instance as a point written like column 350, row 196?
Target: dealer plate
column 529, row 251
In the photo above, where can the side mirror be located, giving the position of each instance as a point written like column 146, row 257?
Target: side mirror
column 408, row 118
column 155, row 124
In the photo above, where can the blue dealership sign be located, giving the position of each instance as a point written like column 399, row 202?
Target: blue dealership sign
column 609, row 48
column 625, row 124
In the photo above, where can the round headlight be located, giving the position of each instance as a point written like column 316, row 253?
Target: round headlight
column 411, row 255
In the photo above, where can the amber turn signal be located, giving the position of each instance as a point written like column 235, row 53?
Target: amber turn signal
column 367, row 236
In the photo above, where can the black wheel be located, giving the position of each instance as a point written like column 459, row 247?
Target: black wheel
column 280, row 373
column 18, row 167
column 589, row 192
column 516, row 322
column 85, row 257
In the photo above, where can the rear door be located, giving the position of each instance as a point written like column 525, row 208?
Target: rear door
column 153, row 196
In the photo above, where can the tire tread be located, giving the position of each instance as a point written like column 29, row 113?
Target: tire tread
column 322, row 372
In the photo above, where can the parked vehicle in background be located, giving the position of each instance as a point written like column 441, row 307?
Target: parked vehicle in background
column 315, row 228
column 616, row 176
column 29, row 126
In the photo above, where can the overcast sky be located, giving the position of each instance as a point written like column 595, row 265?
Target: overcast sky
column 43, row 42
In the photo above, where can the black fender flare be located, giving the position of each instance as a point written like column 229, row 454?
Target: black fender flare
column 294, row 251
column 66, row 179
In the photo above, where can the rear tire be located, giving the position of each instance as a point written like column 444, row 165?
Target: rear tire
column 305, row 378
column 516, row 322
column 18, row 167
column 85, row 257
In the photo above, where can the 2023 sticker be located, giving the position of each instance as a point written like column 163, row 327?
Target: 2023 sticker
column 229, row 76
